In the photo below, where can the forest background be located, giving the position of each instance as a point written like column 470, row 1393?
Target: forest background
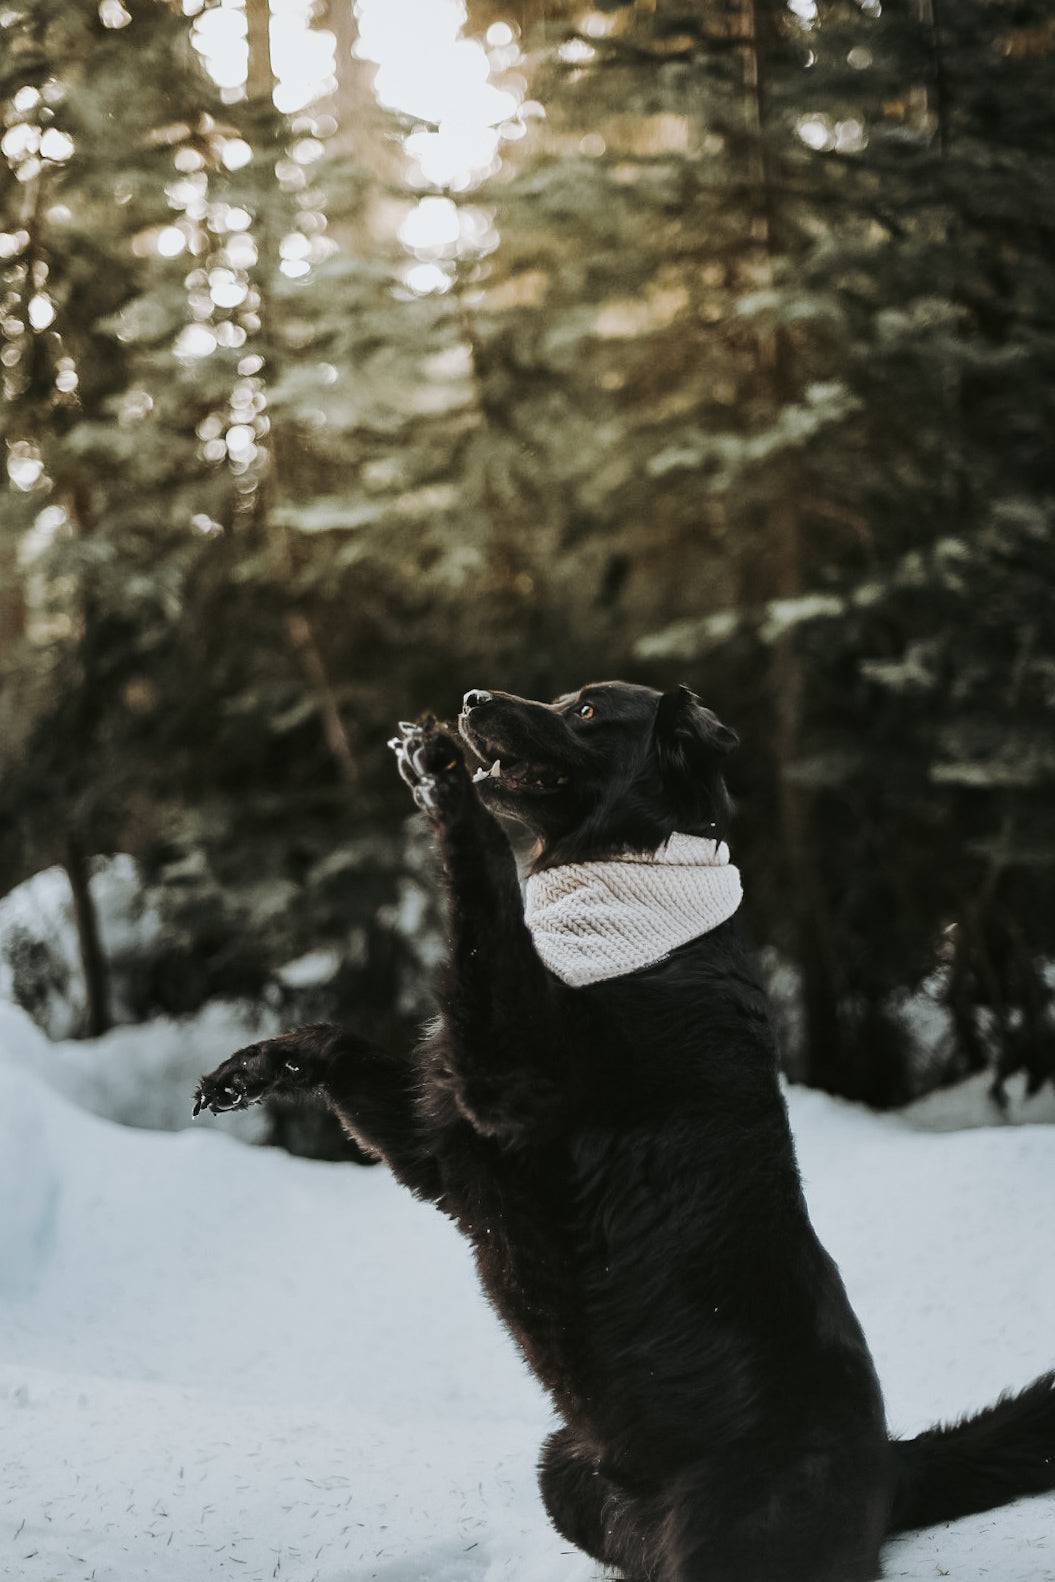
column 686, row 340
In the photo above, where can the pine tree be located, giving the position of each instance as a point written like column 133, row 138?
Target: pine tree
column 104, row 487
column 927, row 516
column 743, row 368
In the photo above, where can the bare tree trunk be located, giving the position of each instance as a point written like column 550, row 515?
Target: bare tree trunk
column 93, row 961
column 260, row 82
column 12, row 601
column 824, row 1063
column 360, row 138
column 303, row 639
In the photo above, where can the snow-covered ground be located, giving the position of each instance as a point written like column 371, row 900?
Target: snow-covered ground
column 217, row 1361
column 40, row 962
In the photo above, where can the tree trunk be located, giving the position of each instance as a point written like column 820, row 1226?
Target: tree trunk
column 260, row 81
column 93, row 962
column 12, row 601
column 362, row 138
column 781, row 575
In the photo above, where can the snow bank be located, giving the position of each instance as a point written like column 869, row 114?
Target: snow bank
column 225, row 1362
column 145, row 1075
column 40, row 964
column 970, row 1103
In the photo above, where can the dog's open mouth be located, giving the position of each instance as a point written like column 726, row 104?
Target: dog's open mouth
column 501, row 770
column 516, row 774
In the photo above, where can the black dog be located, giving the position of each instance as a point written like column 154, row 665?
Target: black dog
column 618, row 1154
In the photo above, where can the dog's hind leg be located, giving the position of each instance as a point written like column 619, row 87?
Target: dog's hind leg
column 593, row 1511
column 810, row 1522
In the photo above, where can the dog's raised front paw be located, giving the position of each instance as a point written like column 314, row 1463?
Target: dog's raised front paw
column 430, row 763
column 246, row 1078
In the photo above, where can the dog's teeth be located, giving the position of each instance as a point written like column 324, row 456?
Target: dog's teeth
column 495, row 769
column 481, row 774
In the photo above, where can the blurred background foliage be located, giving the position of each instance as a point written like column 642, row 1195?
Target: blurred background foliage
column 722, row 353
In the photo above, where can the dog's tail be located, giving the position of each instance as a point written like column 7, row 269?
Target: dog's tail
column 985, row 1460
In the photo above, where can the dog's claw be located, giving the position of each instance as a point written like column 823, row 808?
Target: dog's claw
column 232, row 1095
column 424, row 794
column 250, row 1076
column 429, row 764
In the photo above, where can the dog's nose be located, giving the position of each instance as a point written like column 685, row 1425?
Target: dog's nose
column 472, row 700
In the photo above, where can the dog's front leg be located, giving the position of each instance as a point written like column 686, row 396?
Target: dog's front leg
column 501, row 1052
column 374, row 1094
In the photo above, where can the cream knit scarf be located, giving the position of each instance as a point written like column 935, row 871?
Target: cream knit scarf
column 595, row 920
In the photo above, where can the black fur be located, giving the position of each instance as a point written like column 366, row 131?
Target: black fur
column 620, row 1159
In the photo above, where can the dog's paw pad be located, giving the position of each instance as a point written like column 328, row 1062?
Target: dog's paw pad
column 220, row 1097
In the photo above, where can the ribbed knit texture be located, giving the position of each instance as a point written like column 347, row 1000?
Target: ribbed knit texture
column 596, row 920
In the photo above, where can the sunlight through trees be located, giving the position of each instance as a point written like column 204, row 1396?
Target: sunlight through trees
column 353, row 356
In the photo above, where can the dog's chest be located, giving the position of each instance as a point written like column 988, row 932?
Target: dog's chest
column 513, row 1207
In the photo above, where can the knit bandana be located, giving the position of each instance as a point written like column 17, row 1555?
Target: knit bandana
column 596, row 920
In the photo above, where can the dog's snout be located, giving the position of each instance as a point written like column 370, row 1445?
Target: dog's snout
column 472, row 700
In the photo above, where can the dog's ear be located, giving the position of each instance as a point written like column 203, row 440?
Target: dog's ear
column 686, row 732
column 689, row 743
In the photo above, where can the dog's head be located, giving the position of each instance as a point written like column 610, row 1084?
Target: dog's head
column 612, row 767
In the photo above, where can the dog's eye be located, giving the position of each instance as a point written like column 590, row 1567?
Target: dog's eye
column 585, row 711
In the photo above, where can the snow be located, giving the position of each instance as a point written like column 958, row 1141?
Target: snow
column 141, row 1075
column 219, row 1361
column 308, row 971
column 971, row 1103
column 39, row 955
